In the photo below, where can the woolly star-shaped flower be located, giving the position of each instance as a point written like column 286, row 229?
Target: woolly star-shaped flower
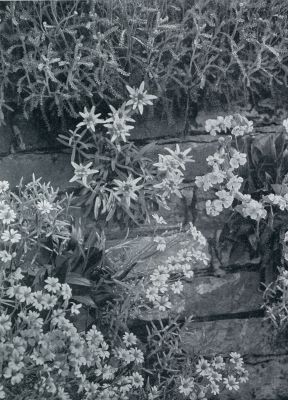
column 90, row 119
column 127, row 189
column 118, row 129
column 139, row 97
column 82, row 172
column 181, row 156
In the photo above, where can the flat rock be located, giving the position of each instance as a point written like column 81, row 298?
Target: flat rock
column 250, row 336
column 231, row 293
column 55, row 168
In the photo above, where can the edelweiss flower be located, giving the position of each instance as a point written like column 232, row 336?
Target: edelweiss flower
column 82, row 172
column 180, row 156
column 90, row 119
column 139, row 97
column 122, row 113
column 118, row 129
column 160, row 220
column 127, row 189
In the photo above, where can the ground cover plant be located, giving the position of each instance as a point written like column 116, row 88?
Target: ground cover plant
column 56, row 54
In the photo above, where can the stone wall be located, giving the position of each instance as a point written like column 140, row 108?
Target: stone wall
column 226, row 306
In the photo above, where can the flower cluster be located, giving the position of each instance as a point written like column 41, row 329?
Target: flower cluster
column 226, row 183
column 165, row 281
column 36, row 335
column 120, row 173
column 213, row 376
column 29, row 217
column 171, row 169
column 236, row 124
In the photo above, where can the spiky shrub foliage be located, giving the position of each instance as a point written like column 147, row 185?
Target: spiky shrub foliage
column 56, row 54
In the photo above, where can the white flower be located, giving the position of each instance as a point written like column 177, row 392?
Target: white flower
column 160, row 220
column 90, row 119
column 118, row 129
column 75, row 309
column 5, row 256
column 161, row 243
column 4, row 186
column 52, row 285
column 137, row 380
column 253, row 209
column 139, row 97
column 152, row 294
column 163, row 303
column 44, row 206
column 129, row 339
column 127, row 189
column 225, row 197
column 11, row 236
column 285, row 124
column 66, row 291
column 203, row 367
column 180, row 156
column 177, row 287
column 237, row 159
column 231, row 383
column 234, row 183
column 187, row 385
column 82, row 172
column 7, row 216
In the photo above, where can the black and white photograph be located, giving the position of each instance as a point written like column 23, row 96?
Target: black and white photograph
column 144, row 200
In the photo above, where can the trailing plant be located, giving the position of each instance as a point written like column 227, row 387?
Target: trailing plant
column 251, row 183
column 119, row 181
column 57, row 54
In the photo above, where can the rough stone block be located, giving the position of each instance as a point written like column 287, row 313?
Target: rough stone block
column 231, row 293
column 55, row 168
column 250, row 336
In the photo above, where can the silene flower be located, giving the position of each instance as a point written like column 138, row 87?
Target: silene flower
column 139, row 97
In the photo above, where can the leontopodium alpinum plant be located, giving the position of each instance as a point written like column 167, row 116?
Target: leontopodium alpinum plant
column 117, row 178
